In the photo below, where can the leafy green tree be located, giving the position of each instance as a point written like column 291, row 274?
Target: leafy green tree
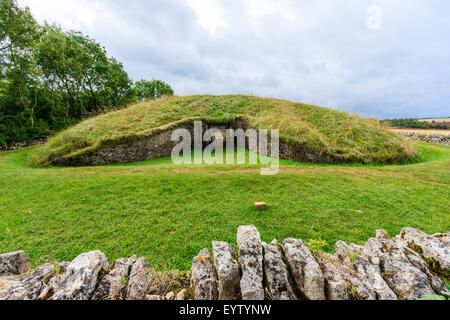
column 17, row 26
column 119, row 86
column 96, row 68
column 51, row 60
column 18, row 35
column 50, row 79
column 151, row 90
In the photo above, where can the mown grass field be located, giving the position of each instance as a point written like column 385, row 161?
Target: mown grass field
column 435, row 120
column 169, row 213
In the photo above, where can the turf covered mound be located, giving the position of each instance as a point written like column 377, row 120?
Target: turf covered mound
column 142, row 132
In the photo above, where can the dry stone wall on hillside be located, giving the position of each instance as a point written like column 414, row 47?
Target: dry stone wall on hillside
column 406, row 267
column 20, row 145
column 430, row 138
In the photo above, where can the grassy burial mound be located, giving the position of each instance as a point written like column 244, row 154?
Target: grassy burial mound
column 143, row 131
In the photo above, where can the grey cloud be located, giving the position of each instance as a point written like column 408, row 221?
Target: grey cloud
column 325, row 55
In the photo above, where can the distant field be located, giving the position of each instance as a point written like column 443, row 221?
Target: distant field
column 435, row 120
column 424, row 131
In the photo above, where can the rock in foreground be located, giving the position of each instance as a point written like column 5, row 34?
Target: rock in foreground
column 406, row 267
column 226, row 264
column 251, row 260
column 80, row 279
column 14, row 263
column 276, row 273
column 305, row 270
column 204, row 278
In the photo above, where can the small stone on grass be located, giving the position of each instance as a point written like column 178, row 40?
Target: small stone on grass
column 182, row 295
column 260, row 206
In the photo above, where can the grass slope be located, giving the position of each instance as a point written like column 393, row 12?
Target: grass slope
column 350, row 138
column 169, row 213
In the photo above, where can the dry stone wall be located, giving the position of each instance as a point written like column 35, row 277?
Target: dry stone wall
column 20, row 145
column 430, row 138
column 406, row 267
column 159, row 145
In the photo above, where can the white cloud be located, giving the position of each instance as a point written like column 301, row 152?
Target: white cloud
column 210, row 14
column 69, row 14
column 317, row 52
column 284, row 11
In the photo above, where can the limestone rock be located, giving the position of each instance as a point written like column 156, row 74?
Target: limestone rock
column 170, row 296
column 368, row 267
column 405, row 280
column 416, row 260
column 382, row 234
column 404, row 267
column 204, row 278
column 443, row 237
column 335, row 285
column 112, row 285
column 31, row 286
column 182, row 295
column 362, row 273
column 6, row 283
column 14, row 263
column 139, row 280
column 276, row 275
column 251, row 261
column 305, row 270
column 260, row 206
column 430, row 138
column 80, row 279
column 227, row 267
column 428, row 246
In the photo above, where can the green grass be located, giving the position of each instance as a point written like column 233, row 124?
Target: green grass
column 169, row 213
column 346, row 138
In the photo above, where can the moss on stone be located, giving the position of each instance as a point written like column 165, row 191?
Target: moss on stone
column 434, row 266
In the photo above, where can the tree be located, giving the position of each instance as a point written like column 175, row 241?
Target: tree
column 118, row 85
column 79, row 68
column 151, row 90
column 96, row 68
column 51, row 60
column 50, row 78
column 17, row 25
column 18, row 35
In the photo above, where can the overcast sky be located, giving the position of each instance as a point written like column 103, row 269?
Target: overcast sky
column 331, row 53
